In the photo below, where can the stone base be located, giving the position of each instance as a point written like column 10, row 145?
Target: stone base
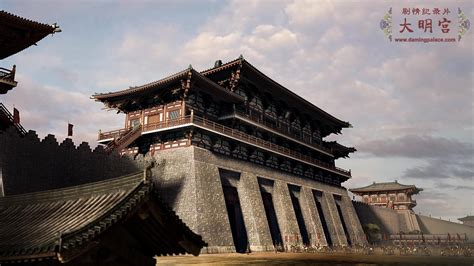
column 191, row 181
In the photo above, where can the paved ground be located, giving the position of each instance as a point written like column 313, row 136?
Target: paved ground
column 311, row 259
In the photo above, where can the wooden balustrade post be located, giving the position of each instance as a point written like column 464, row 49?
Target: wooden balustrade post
column 192, row 115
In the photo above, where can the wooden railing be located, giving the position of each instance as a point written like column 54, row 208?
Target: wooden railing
column 113, row 134
column 282, row 130
column 169, row 123
column 211, row 125
column 125, row 140
column 263, row 143
column 9, row 116
column 7, row 74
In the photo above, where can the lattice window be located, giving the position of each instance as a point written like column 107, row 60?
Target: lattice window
column 173, row 114
column 256, row 104
column 317, row 135
column 307, row 129
column 271, row 111
column 296, row 126
column 374, row 199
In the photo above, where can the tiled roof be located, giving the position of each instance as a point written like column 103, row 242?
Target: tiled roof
column 287, row 93
column 386, row 186
column 191, row 73
column 338, row 149
column 20, row 33
column 46, row 224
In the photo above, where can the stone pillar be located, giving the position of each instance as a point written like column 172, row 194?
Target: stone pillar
column 212, row 217
column 312, row 219
column 289, row 228
column 256, row 223
column 332, row 219
column 356, row 233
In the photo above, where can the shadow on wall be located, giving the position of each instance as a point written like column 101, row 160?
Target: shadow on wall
column 385, row 219
column 429, row 225
column 29, row 164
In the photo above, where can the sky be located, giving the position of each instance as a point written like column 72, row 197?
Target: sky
column 411, row 104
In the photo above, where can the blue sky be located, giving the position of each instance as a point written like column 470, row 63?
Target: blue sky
column 411, row 104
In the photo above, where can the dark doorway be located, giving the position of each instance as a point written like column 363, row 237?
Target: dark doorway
column 294, row 191
column 236, row 219
column 317, row 198
column 344, row 227
column 271, row 218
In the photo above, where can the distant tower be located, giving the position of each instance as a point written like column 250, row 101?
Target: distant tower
column 391, row 195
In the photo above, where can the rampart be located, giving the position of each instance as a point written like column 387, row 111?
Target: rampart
column 29, row 164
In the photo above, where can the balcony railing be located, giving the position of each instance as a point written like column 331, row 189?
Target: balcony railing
column 236, row 134
column 112, row 134
column 7, row 79
column 4, row 112
column 279, row 129
column 8, row 74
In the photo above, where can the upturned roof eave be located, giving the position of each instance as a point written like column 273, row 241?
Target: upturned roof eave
column 244, row 62
column 376, row 188
column 111, row 96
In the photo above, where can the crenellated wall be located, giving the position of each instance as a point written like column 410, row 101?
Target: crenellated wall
column 30, row 164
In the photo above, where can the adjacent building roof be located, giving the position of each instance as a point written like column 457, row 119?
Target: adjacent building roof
column 117, row 99
column 386, row 186
column 17, row 33
column 59, row 224
column 248, row 71
column 338, row 149
column 281, row 93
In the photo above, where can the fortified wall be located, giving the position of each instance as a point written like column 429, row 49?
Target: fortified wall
column 28, row 164
column 219, row 197
column 392, row 222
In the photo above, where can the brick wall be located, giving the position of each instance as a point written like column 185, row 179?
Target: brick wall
column 29, row 164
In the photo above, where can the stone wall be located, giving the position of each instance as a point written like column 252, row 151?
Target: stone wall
column 190, row 181
column 393, row 222
column 386, row 219
column 29, row 164
column 429, row 225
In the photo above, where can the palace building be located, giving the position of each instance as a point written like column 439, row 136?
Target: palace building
column 67, row 205
column 391, row 195
column 241, row 159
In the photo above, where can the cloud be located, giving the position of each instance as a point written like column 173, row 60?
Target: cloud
column 411, row 105
column 451, row 170
column 414, row 146
column 48, row 110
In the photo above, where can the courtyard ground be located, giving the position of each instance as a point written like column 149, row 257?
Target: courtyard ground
column 311, row 259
